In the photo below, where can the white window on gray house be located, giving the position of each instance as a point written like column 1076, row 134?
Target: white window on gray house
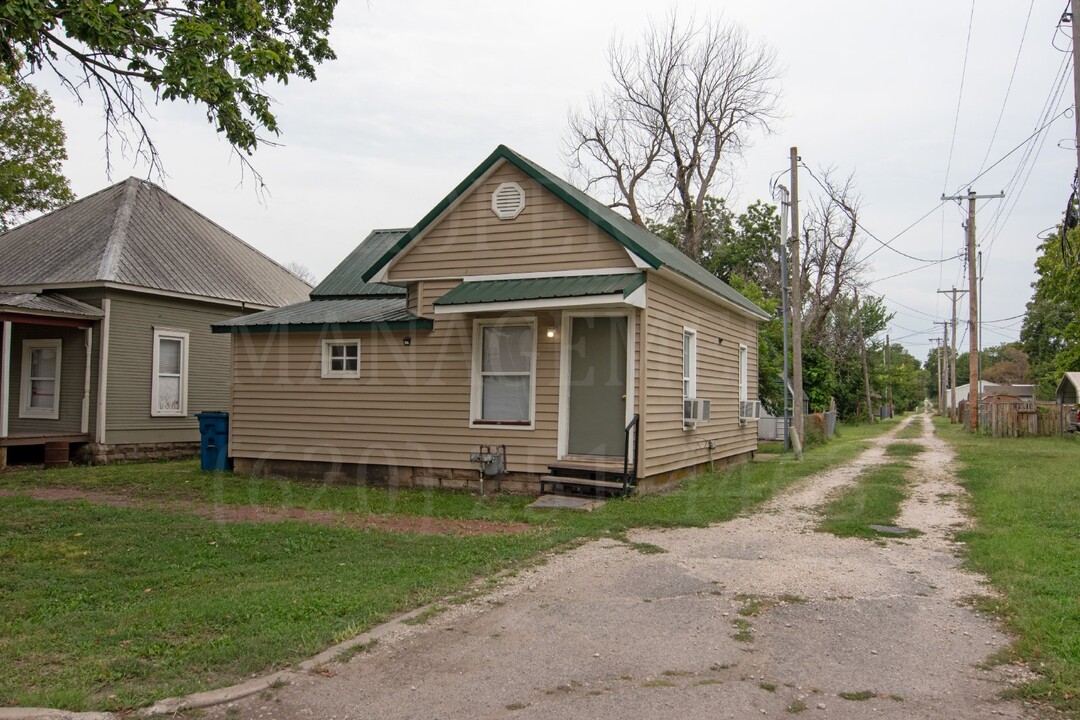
column 40, row 386
column 689, row 363
column 169, row 384
column 504, row 373
column 341, row 359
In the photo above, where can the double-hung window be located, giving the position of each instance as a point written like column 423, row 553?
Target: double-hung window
column 169, row 382
column 41, row 379
column 341, row 359
column 504, row 373
column 743, row 384
column 689, row 361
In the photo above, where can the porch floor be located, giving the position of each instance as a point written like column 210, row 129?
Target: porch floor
column 18, row 439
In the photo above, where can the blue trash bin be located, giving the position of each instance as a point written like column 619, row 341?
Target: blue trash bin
column 214, row 428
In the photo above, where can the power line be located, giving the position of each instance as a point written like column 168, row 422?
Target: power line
column 960, row 97
column 1008, row 88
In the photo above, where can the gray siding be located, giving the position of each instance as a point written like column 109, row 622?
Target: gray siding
column 72, row 379
column 133, row 318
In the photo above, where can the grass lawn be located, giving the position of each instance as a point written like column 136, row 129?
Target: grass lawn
column 113, row 608
column 874, row 499
column 1025, row 495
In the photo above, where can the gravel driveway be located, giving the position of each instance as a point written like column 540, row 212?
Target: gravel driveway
column 607, row 631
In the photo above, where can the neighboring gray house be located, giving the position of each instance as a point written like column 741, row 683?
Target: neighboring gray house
column 105, row 309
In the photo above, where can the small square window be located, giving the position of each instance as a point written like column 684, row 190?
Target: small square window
column 341, row 359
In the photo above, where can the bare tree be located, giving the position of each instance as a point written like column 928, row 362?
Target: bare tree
column 303, row 272
column 681, row 104
column 830, row 264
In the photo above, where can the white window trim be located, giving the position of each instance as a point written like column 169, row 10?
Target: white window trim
column 688, row 383
column 25, row 411
column 692, row 384
column 184, row 337
column 327, row 373
column 476, row 403
column 744, row 394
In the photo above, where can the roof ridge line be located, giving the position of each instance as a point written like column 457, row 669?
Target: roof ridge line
column 114, row 245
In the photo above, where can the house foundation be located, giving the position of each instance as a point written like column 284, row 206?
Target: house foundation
column 99, row 454
column 399, row 476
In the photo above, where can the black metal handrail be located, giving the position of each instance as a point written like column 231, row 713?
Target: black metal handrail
column 628, row 477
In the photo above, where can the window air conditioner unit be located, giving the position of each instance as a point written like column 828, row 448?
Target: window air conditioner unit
column 749, row 410
column 696, row 410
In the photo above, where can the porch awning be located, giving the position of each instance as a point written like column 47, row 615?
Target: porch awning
column 358, row 313
column 533, row 293
column 52, row 305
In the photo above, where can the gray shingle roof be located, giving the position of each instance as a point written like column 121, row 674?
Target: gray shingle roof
column 51, row 304
column 347, row 279
column 135, row 233
column 350, row 313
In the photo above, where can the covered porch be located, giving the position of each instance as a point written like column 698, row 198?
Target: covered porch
column 594, row 321
column 46, row 369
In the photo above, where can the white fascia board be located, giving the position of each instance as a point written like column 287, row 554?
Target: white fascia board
column 39, row 289
column 615, row 300
column 638, row 262
column 698, row 289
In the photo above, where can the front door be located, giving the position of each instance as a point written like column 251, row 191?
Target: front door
column 597, row 392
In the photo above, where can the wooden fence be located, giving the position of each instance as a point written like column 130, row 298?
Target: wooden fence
column 1017, row 419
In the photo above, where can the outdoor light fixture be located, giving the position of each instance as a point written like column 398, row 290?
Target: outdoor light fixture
column 719, row 341
column 551, row 332
column 407, row 341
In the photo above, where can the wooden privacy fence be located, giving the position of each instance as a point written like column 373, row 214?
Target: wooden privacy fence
column 1020, row 418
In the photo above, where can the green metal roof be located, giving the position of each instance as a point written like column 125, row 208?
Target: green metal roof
column 653, row 250
column 489, row 291
column 347, row 279
column 360, row 313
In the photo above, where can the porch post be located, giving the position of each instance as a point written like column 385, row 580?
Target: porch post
column 103, row 375
column 88, row 345
column 5, row 387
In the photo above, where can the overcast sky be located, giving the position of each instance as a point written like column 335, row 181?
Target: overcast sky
column 423, row 91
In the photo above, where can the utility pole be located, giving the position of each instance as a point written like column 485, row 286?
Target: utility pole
column 953, row 416
column 943, row 368
column 888, row 378
column 796, row 301
column 784, row 300
column 940, row 391
column 862, row 352
column 979, row 254
column 974, row 385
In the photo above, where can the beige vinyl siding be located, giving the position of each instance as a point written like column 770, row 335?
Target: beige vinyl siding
column 133, row 319
column 669, row 446
column 72, row 380
column 547, row 236
column 410, row 405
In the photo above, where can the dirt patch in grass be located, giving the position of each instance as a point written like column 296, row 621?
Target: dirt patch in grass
column 258, row 514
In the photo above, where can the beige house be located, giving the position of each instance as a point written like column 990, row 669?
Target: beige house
column 520, row 326
column 105, row 314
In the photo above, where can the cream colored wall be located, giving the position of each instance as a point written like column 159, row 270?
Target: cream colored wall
column 410, row 405
column 667, row 445
column 471, row 240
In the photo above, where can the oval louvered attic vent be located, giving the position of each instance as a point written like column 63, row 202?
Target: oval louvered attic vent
column 508, row 201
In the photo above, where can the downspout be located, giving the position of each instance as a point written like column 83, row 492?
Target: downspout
column 103, row 374
column 88, row 345
column 5, row 379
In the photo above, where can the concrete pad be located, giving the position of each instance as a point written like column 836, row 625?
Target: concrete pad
column 565, row 502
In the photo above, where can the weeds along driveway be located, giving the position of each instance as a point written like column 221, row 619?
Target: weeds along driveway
column 759, row 615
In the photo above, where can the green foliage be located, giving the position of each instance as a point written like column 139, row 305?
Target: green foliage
column 32, row 153
column 1051, row 330
column 219, row 55
column 1026, row 503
